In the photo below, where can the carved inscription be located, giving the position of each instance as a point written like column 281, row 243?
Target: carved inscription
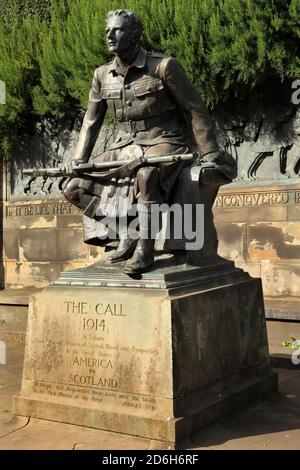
column 260, row 198
column 243, row 199
column 89, row 322
column 94, row 345
column 41, row 210
column 101, row 309
column 126, row 400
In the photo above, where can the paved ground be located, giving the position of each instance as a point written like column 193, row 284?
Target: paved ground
column 272, row 423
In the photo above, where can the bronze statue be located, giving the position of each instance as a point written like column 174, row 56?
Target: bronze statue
column 158, row 112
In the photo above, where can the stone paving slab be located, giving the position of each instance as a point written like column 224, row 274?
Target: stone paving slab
column 10, row 423
column 265, row 425
column 271, row 423
column 225, row 439
column 47, row 435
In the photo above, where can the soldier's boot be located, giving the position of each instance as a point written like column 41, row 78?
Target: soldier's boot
column 143, row 257
column 124, row 251
column 127, row 243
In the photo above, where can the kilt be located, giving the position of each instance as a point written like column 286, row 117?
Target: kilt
column 116, row 196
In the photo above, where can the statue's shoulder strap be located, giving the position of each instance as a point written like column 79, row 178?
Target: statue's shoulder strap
column 155, row 61
column 156, row 55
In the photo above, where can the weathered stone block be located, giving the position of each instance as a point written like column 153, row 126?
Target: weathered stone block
column 32, row 232
column 13, row 320
column 11, row 245
column 71, row 221
column 286, row 308
column 70, row 245
column 156, row 363
column 274, row 241
column 38, row 245
column 263, row 214
column 271, row 213
column 19, row 274
column 253, row 269
column 232, row 241
column 230, row 215
column 281, row 280
column 294, row 212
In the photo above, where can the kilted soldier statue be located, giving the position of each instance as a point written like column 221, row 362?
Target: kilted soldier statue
column 158, row 112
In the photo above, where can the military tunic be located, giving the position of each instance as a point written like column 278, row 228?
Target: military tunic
column 157, row 108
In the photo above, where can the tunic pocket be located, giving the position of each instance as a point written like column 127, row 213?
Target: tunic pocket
column 149, row 86
column 113, row 99
column 110, row 94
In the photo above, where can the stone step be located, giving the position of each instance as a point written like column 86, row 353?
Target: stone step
column 282, row 309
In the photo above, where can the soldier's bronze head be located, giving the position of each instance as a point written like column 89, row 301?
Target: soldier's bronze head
column 123, row 30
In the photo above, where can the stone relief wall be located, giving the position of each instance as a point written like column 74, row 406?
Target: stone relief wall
column 265, row 143
column 42, row 232
column 49, row 146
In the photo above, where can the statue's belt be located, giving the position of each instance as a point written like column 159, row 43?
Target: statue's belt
column 147, row 124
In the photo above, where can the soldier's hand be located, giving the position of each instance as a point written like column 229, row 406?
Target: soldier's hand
column 207, row 159
column 223, row 161
column 212, row 157
column 68, row 167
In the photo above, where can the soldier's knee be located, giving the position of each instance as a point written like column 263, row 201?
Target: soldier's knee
column 71, row 191
column 147, row 174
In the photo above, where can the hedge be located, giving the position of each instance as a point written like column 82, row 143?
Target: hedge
column 48, row 50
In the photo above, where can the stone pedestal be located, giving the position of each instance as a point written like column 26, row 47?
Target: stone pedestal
column 156, row 360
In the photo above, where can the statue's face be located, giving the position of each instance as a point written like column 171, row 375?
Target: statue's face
column 119, row 35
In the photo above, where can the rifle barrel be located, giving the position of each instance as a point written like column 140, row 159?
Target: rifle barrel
column 51, row 172
column 91, row 167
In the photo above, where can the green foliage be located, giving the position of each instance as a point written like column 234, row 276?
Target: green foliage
column 19, row 69
column 74, row 47
column 22, row 8
column 227, row 47
column 291, row 343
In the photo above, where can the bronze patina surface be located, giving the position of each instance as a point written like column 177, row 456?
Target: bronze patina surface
column 158, row 112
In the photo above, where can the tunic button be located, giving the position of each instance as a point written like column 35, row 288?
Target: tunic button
column 133, row 134
column 129, row 103
column 149, row 88
column 127, row 87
